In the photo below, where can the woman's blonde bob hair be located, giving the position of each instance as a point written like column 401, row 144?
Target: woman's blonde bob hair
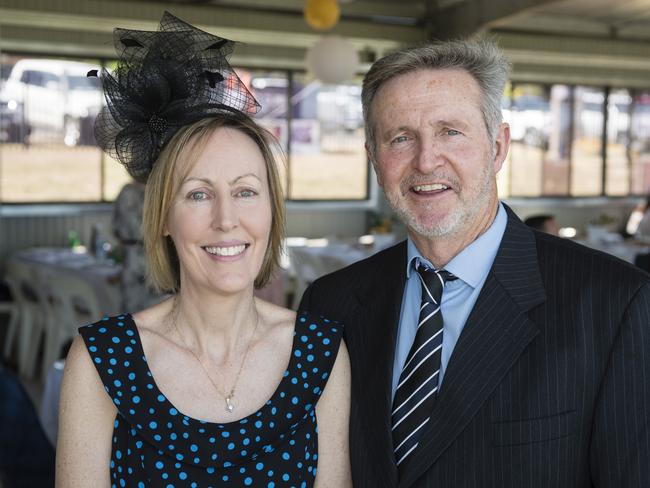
column 171, row 168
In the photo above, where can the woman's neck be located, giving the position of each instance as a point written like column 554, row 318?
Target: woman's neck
column 218, row 324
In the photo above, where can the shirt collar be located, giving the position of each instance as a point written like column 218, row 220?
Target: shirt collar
column 473, row 263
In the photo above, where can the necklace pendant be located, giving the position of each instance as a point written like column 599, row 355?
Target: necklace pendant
column 229, row 405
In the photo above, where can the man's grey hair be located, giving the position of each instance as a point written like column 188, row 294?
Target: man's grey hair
column 482, row 59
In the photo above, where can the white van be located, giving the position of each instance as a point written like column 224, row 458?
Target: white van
column 51, row 97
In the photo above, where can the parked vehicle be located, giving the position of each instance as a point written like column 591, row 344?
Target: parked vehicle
column 50, row 96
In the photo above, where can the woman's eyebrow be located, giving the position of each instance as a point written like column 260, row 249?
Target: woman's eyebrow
column 244, row 176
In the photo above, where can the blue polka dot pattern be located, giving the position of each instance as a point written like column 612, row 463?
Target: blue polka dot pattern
column 154, row 444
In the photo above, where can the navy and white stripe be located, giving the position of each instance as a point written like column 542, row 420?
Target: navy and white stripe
column 419, row 379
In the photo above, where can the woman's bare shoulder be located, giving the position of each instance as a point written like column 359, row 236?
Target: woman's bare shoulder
column 275, row 315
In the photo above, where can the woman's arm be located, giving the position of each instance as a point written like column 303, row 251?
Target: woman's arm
column 333, row 414
column 85, row 424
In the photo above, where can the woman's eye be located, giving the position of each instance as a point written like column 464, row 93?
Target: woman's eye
column 197, row 196
column 246, row 193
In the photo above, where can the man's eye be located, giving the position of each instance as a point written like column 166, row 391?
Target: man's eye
column 198, row 196
column 452, row 132
column 399, row 139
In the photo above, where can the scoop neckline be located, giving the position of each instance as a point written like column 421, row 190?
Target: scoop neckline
column 267, row 404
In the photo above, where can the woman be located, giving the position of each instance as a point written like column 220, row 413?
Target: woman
column 211, row 387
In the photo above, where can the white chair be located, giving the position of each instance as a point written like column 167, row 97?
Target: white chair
column 73, row 303
column 307, row 267
column 31, row 303
column 12, row 309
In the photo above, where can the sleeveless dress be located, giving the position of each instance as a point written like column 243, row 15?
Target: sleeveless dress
column 155, row 445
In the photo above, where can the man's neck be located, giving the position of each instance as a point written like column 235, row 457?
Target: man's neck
column 440, row 250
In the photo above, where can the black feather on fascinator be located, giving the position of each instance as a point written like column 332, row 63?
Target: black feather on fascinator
column 164, row 80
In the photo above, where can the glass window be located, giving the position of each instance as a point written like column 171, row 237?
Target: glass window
column 46, row 122
column 617, row 177
column 528, row 117
column 557, row 141
column 640, row 144
column 327, row 159
column 271, row 90
column 586, row 150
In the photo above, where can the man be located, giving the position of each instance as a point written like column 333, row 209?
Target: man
column 543, row 223
column 535, row 369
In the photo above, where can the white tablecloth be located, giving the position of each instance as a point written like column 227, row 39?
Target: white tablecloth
column 103, row 277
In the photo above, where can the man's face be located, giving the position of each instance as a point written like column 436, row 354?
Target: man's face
column 433, row 156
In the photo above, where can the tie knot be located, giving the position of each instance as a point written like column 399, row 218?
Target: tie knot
column 429, row 273
column 433, row 281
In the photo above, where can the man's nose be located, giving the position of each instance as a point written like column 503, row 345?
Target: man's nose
column 430, row 155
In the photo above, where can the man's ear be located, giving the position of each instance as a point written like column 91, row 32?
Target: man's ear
column 502, row 145
column 371, row 157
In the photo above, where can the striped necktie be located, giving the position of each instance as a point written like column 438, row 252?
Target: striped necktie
column 418, row 382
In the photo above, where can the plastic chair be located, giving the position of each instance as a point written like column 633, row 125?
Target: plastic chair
column 307, row 267
column 31, row 302
column 72, row 303
column 12, row 309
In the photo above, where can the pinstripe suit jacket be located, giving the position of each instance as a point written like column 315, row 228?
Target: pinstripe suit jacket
column 548, row 385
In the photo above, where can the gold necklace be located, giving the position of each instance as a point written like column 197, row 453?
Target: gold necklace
column 230, row 406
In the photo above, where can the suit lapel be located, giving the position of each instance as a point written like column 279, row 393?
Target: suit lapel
column 380, row 304
column 496, row 333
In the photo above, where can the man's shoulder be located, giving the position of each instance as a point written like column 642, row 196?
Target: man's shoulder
column 557, row 254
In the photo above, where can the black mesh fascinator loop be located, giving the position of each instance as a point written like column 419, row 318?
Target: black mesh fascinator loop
column 164, row 80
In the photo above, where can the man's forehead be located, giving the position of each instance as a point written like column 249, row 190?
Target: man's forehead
column 434, row 88
column 411, row 95
column 428, row 77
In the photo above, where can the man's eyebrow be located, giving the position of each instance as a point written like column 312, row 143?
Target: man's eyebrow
column 452, row 122
column 393, row 130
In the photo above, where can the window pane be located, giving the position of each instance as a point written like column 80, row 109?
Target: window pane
column 327, row 156
column 586, row 152
column 115, row 177
column 558, row 144
column 47, row 111
column 271, row 90
column 528, row 118
column 640, row 144
column 618, row 120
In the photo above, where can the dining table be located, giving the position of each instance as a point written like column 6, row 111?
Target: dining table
column 102, row 275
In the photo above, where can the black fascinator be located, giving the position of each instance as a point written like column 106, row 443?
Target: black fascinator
column 164, row 80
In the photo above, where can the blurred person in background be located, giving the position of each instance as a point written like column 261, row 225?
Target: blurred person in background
column 543, row 223
column 26, row 456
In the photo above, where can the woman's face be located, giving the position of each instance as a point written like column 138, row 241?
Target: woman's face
column 220, row 218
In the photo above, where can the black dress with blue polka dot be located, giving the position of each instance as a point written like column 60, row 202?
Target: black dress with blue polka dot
column 155, row 445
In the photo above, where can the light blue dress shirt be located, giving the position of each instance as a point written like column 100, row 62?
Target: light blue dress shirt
column 471, row 266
